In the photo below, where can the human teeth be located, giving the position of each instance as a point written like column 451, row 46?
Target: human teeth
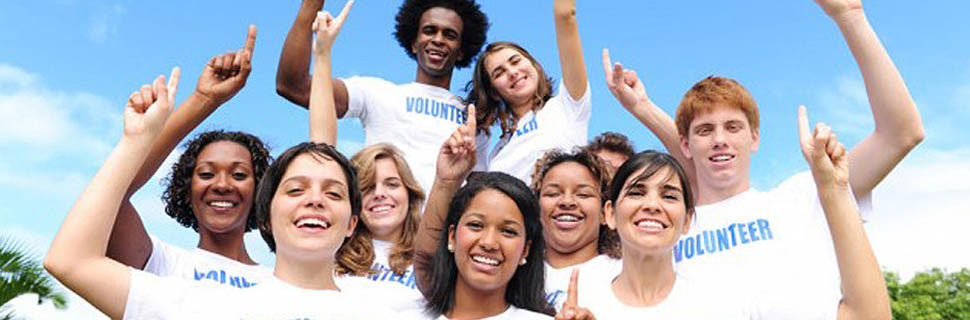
column 649, row 224
column 221, row 204
column 313, row 222
column 380, row 209
column 567, row 218
column 488, row 261
column 721, row 158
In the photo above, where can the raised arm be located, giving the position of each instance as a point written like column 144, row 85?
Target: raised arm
column 864, row 294
column 898, row 125
column 627, row 88
column 455, row 160
column 222, row 77
column 570, row 48
column 77, row 254
column 292, row 79
column 323, row 117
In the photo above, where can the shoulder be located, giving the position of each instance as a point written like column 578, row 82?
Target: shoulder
column 372, row 83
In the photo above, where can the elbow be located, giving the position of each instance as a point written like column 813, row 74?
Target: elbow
column 916, row 137
column 53, row 265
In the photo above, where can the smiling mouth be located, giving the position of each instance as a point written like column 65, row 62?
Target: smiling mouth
column 436, row 55
column 567, row 220
column 312, row 224
column 222, row 204
column 491, row 262
column 650, row 225
column 721, row 158
column 381, row 209
column 518, row 83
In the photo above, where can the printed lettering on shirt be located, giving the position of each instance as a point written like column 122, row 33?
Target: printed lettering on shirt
column 554, row 297
column 426, row 107
column 530, row 126
column 386, row 274
column 221, row 277
column 723, row 239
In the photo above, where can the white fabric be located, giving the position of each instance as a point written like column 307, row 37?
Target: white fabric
column 562, row 123
column 200, row 265
column 774, row 244
column 416, row 118
column 153, row 297
column 687, row 300
column 600, row 269
column 513, row 313
column 392, row 291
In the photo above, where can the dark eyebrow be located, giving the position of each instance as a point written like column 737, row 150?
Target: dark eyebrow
column 672, row 187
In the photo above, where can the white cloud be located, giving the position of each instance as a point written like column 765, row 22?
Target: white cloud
column 104, row 22
column 921, row 213
column 846, row 108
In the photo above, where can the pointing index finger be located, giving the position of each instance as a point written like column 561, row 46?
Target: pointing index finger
column 804, row 133
column 571, row 299
column 343, row 14
column 607, row 64
column 250, row 39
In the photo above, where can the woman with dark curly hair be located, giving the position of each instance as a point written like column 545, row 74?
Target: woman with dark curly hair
column 210, row 189
column 571, row 187
column 480, row 247
column 512, row 89
column 416, row 117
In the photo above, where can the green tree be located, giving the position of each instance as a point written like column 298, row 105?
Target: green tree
column 21, row 273
column 930, row 295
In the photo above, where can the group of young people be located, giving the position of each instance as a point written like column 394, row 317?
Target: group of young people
column 426, row 222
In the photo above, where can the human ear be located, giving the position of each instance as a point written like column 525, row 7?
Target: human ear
column 610, row 215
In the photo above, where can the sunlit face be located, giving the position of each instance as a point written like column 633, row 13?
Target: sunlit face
column 489, row 242
column 438, row 42
column 720, row 144
column 385, row 204
column 513, row 75
column 613, row 159
column 650, row 214
column 222, row 187
column 571, row 208
column 310, row 211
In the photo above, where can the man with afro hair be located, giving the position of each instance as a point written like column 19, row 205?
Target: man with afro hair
column 416, row 117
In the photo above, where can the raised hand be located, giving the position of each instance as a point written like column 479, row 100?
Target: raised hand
column 457, row 155
column 826, row 156
column 570, row 308
column 147, row 109
column 838, row 8
column 623, row 83
column 326, row 27
column 226, row 74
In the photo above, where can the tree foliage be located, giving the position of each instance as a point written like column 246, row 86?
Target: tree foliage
column 930, row 295
column 21, row 272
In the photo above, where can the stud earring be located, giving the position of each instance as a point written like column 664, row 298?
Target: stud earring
column 451, row 248
column 523, row 262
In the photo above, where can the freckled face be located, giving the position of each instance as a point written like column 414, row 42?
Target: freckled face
column 489, row 242
column 222, row 187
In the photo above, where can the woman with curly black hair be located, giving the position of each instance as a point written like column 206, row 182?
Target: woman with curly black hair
column 210, row 189
column 512, row 89
column 415, row 117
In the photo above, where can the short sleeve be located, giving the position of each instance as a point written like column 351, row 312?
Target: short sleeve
column 577, row 110
column 151, row 296
column 481, row 152
column 360, row 92
column 163, row 259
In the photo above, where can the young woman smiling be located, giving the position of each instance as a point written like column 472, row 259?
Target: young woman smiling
column 512, row 90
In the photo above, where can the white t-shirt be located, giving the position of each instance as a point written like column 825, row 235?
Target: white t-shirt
column 600, row 269
column 513, row 313
column 153, row 297
column 391, row 291
column 416, row 118
column 687, row 300
column 776, row 245
column 200, row 265
column 562, row 123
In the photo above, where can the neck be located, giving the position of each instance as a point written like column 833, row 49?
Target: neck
column 476, row 304
column 708, row 193
column 305, row 274
column 392, row 236
column 646, row 279
column 229, row 245
column 561, row 260
column 443, row 81
column 520, row 109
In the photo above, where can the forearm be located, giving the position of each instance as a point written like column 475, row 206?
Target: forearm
column 898, row 127
column 864, row 294
column 292, row 78
column 570, row 48
column 83, row 237
column 429, row 231
column 323, row 117
column 665, row 129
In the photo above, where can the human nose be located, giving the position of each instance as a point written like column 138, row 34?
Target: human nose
column 314, row 199
column 720, row 137
column 567, row 201
column 221, row 183
column 489, row 240
column 651, row 204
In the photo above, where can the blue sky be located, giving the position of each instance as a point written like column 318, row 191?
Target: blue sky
column 66, row 68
